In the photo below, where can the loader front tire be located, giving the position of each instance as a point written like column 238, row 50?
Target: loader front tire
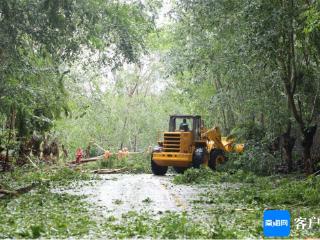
column 180, row 169
column 158, row 170
column 216, row 156
column 198, row 157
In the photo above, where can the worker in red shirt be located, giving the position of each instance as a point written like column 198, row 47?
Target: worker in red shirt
column 79, row 155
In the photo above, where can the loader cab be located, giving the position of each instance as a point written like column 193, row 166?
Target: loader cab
column 193, row 122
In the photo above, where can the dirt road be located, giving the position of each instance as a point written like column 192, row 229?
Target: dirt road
column 119, row 193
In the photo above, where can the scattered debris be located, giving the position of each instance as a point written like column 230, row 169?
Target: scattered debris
column 147, row 200
column 109, row 170
column 244, row 209
column 117, row 202
column 33, row 164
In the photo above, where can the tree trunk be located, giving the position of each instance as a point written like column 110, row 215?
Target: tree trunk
column 24, row 152
column 218, row 86
column 135, row 143
column 11, row 126
column 46, row 150
column 262, row 121
column 65, row 151
column 123, row 132
column 36, row 143
column 225, row 125
column 288, row 144
column 307, row 142
column 54, row 148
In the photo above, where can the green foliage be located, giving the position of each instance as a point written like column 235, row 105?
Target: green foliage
column 135, row 163
column 312, row 18
column 109, row 163
column 268, row 191
column 250, row 59
column 127, row 114
column 234, row 201
column 175, row 225
column 44, row 214
column 194, row 175
column 117, row 202
column 40, row 40
column 206, row 176
column 139, row 163
column 41, row 212
column 147, row 200
column 171, row 225
column 273, row 190
column 57, row 176
column 248, row 131
column 303, row 192
column 237, row 200
column 254, row 159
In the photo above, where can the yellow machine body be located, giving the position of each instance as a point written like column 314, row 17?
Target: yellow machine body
column 177, row 147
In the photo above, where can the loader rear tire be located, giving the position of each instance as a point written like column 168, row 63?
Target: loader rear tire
column 180, row 169
column 158, row 170
column 215, row 156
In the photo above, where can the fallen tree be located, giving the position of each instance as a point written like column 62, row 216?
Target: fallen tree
column 86, row 160
column 14, row 193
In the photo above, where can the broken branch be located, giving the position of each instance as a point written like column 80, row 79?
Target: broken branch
column 109, row 171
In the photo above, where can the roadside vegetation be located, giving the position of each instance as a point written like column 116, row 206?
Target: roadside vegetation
column 230, row 204
column 135, row 163
column 46, row 212
column 237, row 199
column 42, row 212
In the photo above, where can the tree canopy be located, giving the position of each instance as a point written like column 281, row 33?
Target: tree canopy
column 251, row 67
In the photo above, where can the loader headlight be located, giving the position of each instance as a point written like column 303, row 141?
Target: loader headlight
column 157, row 149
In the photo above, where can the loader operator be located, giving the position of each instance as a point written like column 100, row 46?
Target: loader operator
column 184, row 126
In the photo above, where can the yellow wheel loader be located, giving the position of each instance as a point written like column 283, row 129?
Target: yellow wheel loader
column 188, row 144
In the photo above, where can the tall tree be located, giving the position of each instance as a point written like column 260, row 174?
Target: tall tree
column 261, row 59
column 39, row 39
column 277, row 31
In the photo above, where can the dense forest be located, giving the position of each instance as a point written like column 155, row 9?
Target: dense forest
column 73, row 72
column 105, row 75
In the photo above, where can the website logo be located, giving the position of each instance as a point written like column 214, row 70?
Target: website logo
column 276, row 223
